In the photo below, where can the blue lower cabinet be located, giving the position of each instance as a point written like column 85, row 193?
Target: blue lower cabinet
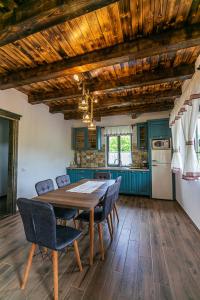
column 78, row 174
column 143, row 183
column 133, row 182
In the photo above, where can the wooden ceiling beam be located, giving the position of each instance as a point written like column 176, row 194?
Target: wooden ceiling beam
column 166, row 42
column 34, row 16
column 130, row 110
column 116, row 102
column 139, row 80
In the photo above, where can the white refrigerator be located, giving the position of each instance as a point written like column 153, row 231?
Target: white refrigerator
column 161, row 174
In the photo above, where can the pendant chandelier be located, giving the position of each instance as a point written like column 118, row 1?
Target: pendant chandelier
column 86, row 105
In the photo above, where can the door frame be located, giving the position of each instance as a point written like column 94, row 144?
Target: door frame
column 12, row 158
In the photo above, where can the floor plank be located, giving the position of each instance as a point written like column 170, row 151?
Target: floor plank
column 154, row 255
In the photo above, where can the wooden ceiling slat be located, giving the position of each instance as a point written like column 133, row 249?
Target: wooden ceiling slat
column 35, row 16
column 122, row 111
column 143, row 79
column 141, row 48
column 183, row 11
column 194, row 13
column 120, row 102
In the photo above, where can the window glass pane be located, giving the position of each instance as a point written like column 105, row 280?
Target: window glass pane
column 125, row 150
column 113, row 154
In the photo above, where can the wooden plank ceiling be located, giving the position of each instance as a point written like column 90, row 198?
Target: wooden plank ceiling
column 133, row 55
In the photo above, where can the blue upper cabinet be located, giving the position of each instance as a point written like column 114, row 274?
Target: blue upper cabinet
column 158, row 129
column 142, row 136
column 79, row 138
column 94, row 139
column 84, row 139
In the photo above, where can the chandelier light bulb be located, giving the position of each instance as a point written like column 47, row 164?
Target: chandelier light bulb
column 86, row 118
column 91, row 126
column 76, row 77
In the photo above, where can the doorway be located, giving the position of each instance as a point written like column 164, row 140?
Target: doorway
column 4, row 153
column 8, row 162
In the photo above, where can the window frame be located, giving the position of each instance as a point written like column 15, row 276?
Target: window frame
column 119, row 147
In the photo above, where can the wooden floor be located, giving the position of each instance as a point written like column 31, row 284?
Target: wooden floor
column 155, row 254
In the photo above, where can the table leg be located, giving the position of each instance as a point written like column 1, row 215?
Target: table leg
column 91, row 236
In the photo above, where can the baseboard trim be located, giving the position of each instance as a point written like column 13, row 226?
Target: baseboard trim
column 188, row 216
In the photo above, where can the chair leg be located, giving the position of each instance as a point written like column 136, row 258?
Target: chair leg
column 28, row 266
column 116, row 212
column 111, row 221
column 77, row 256
column 55, row 273
column 109, row 227
column 101, row 240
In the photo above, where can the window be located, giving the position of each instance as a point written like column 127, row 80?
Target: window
column 119, row 150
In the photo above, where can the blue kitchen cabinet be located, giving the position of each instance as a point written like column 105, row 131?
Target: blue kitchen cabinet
column 159, row 129
column 143, row 183
column 84, row 139
column 124, row 183
column 142, row 136
column 125, row 188
column 79, row 174
column 79, row 138
column 133, row 182
column 139, row 183
column 72, row 175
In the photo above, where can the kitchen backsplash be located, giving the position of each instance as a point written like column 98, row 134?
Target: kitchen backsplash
column 95, row 158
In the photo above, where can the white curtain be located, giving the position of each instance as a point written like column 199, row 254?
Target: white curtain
column 118, row 130
column 185, row 114
column 191, row 169
column 176, row 164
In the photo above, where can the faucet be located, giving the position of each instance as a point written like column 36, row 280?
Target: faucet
column 119, row 161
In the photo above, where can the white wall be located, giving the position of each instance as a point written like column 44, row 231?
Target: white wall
column 4, row 140
column 44, row 141
column 123, row 119
column 188, row 195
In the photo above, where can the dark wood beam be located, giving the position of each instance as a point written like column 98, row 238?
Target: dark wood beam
column 118, row 102
column 34, row 16
column 130, row 110
column 156, row 44
column 139, row 80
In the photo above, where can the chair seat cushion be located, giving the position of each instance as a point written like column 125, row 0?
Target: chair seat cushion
column 65, row 236
column 85, row 215
column 65, row 213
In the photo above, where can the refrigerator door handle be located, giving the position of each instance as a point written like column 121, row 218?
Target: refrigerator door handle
column 154, row 165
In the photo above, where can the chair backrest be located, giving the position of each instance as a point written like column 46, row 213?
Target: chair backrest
column 118, row 182
column 45, row 186
column 109, row 200
column 39, row 222
column 62, row 180
column 102, row 175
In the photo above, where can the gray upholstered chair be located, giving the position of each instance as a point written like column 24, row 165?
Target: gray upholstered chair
column 40, row 229
column 102, row 175
column 45, row 186
column 62, row 181
column 101, row 214
column 115, row 211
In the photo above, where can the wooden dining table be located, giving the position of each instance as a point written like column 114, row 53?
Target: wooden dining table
column 81, row 201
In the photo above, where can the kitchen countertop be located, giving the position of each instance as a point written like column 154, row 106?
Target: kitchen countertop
column 108, row 168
